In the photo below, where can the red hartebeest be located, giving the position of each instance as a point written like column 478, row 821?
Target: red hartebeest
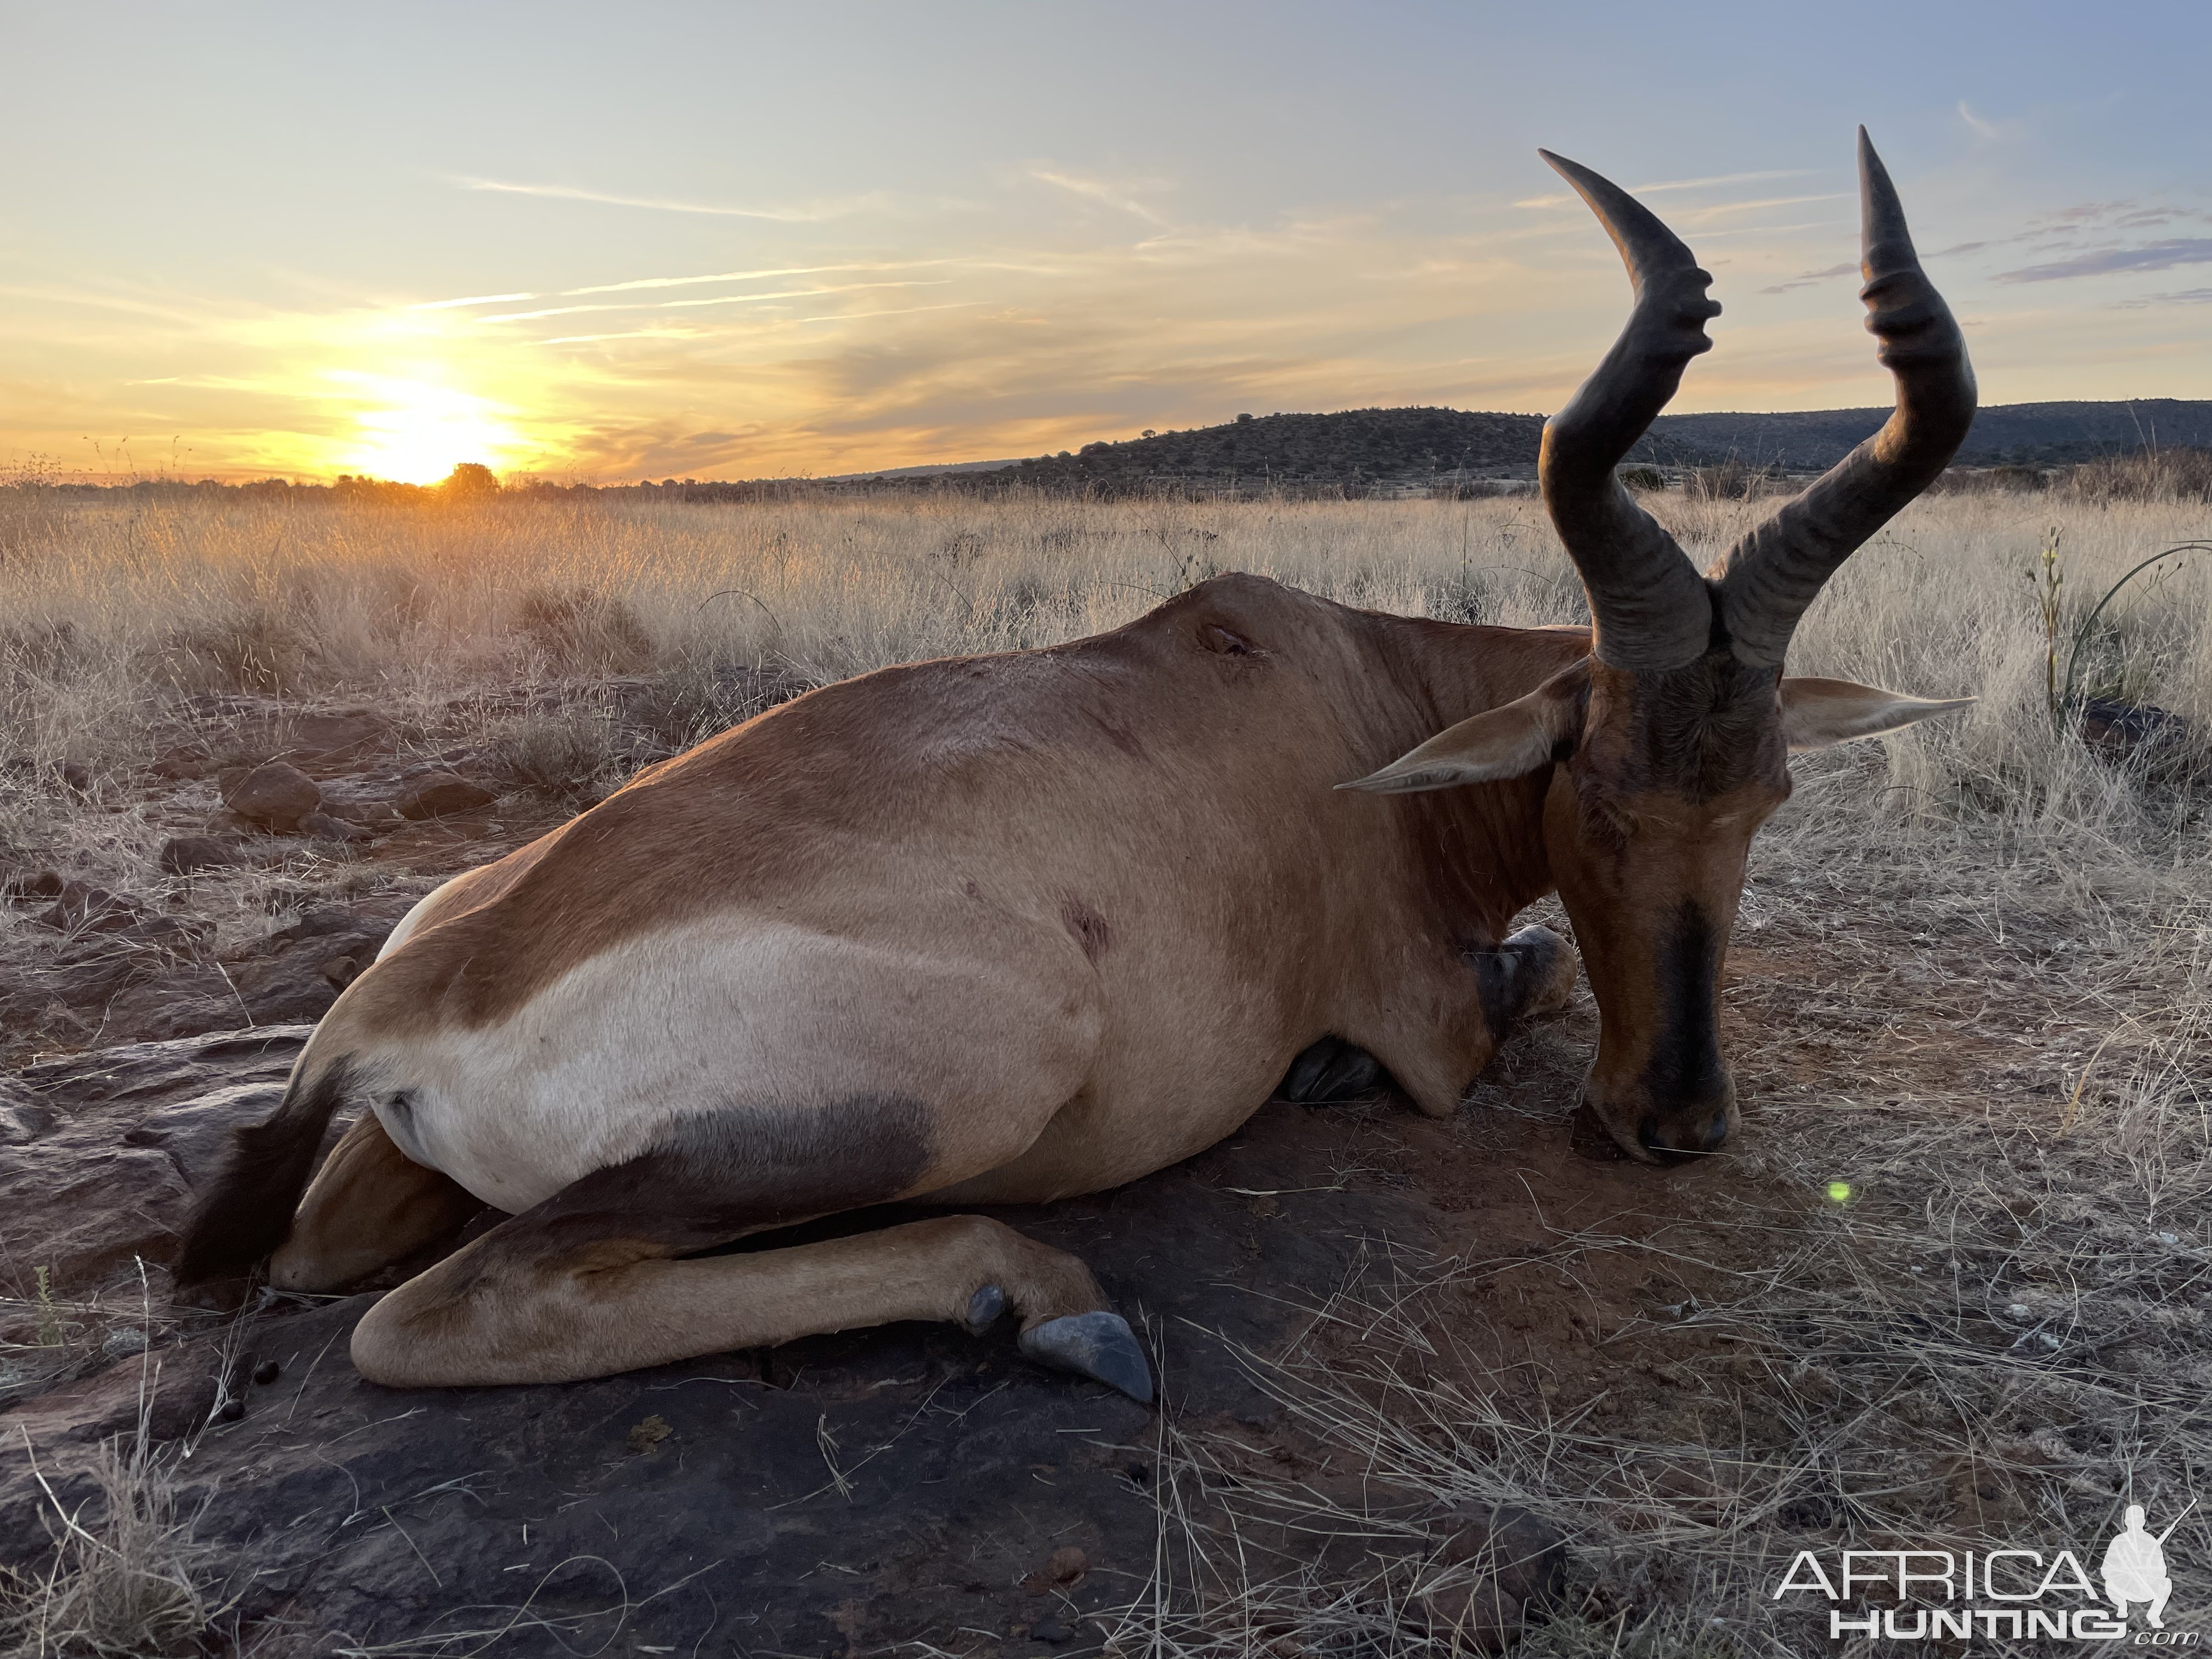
column 1004, row 929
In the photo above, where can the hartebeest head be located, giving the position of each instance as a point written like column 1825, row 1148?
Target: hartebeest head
column 1670, row 740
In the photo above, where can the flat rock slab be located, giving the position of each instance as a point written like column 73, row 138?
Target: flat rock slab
column 836, row 1495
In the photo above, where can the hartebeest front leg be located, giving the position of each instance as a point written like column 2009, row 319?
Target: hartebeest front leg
column 1533, row 972
column 531, row 1301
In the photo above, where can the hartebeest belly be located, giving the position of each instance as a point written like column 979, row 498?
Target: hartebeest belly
column 1014, row 927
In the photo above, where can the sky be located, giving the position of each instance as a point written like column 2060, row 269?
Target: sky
column 740, row 240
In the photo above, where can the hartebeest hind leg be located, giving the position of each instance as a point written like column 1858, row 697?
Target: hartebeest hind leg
column 370, row 1205
column 565, row 1292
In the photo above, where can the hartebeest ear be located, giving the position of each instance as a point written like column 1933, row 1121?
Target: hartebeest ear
column 1816, row 714
column 1499, row 743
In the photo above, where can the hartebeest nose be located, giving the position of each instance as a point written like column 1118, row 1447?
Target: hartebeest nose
column 1684, row 1136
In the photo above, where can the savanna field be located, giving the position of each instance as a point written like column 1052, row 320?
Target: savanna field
column 1952, row 1287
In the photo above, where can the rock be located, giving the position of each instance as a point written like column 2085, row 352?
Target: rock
column 34, row 884
column 83, row 908
column 185, row 855
column 937, row 1435
column 224, row 822
column 275, row 795
column 342, row 971
column 1053, row 1629
column 1065, row 1566
column 324, row 826
column 440, row 794
column 76, row 779
column 1500, row 1563
column 130, row 1128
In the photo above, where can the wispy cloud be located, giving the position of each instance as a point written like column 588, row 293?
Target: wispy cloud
column 2155, row 256
column 740, row 276
column 797, row 213
column 472, row 299
column 1982, row 129
column 2187, row 296
column 717, row 300
column 1113, row 194
column 1563, row 198
column 1849, row 268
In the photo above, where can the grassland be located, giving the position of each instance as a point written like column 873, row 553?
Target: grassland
column 1973, row 981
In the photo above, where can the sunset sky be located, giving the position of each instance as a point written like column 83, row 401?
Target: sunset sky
column 737, row 241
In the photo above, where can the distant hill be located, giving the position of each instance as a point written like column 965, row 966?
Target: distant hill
column 1362, row 448
column 1357, row 448
column 2030, row 435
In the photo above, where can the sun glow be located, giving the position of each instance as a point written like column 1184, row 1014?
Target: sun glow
column 417, row 431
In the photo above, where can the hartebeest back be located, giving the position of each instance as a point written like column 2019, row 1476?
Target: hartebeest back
column 1005, row 929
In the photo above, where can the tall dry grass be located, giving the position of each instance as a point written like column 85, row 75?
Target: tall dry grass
column 2018, row 1279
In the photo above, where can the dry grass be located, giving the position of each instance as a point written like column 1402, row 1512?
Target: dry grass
column 127, row 1578
column 1978, row 963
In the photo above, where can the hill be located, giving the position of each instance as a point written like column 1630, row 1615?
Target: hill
column 1362, row 449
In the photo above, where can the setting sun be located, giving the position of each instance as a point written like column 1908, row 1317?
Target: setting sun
column 415, row 431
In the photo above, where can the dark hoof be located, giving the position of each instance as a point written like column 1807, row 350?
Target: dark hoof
column 1590, row 1138
column 1331, row 1069
column 983, row 1310
column 1100, row 1346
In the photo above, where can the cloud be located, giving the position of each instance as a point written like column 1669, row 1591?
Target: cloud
column 802, row 213
column 2155, row 256
column 1102, row 190
column 1982, row 129
column 1849, row 268
column 472, row 299
column 736, row 276
column 2187, row 296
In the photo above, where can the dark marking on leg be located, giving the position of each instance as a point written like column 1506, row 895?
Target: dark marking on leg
column 1088, row 927
column 247, row 1212
column 743, row 1169
column 984, row 1308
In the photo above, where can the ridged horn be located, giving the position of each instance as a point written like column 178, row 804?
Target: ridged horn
column 1650, row 607
column 1769, row 578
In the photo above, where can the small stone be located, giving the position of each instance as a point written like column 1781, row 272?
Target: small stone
column 1499, row 1563
column 1052, row 1628
column 275, row 795
column 84, row 908
column 124, row 1341
column 267, row 1372
column 438, row 795
column 2018, row 1312
column 324, row 826
column 185, row 855
column 648, row 1434
column 231, row 1410
column 35, row 884
column 342, row 971
column 1064, row 1567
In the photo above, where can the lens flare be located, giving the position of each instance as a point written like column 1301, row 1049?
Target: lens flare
column 1839, row 1192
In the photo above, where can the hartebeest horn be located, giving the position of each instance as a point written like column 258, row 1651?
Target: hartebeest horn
column 1770, row 577
column 1650, row 607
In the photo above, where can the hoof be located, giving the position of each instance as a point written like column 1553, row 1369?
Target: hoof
column 1550, row 963
column 983, row 1310
column 1330, row 1069
column 1099, row 1345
